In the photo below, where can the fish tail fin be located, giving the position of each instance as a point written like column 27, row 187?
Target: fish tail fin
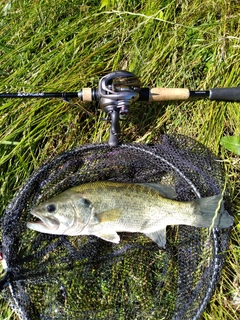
column 212, row 213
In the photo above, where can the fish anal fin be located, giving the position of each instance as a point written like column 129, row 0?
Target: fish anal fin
column 159, row 237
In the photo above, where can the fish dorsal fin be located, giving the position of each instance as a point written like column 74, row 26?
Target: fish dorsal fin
column 109, row 235
column 164, row 190
column 158, row 236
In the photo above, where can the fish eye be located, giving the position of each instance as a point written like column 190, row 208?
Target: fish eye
column 51, row 208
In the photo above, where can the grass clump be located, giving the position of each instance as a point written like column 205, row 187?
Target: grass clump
column 67, row 45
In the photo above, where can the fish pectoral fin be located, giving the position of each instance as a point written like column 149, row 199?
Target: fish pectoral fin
column 109, row 215
column 159, row 237
column 110, row 236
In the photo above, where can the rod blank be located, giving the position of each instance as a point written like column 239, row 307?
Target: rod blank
column 23, row 95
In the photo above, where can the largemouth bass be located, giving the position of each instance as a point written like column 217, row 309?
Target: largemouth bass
column 105, row 208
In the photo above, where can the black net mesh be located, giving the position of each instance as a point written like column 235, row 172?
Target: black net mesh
column 84, row 277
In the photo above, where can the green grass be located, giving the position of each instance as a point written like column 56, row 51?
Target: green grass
column 67, row 45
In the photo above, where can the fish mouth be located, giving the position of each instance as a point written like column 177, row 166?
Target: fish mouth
column 43, row 224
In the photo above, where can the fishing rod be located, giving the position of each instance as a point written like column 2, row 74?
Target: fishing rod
column 117, row 90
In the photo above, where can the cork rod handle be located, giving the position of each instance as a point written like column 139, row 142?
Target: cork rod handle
column 167, row 94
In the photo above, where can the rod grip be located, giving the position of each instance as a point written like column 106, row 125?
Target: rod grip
column 87, row 94
column 168, row 94
column 225, row 94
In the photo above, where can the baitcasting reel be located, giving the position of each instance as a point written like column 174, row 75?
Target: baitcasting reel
column 117, row 91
